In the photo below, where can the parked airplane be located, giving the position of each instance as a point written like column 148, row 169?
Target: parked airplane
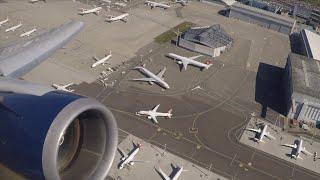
column 185, row 61
column 152, row 114
column 34, row 1
column 4, row 21
column 127, row 159
column 101, row 61
column 298, row 149
column 152, row 78
column 14, row 27
column 262, row 132
column 94, row 10
column 122, row 17
column 63, row 87
column 28, row 33
column 153, row 4
column 176, row 169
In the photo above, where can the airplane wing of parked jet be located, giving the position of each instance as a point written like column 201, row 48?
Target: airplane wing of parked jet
column 195, row 57
column 304, row 151
column 254, row 130
column 293, row 146
column 36, row 118
column 156, row 108
column 164, row 175
column 122, row 153
column 268, row 135
column 161, row 73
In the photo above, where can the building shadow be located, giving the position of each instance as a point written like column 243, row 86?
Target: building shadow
column 224, row 12
column 295, row 43
column 269, row 89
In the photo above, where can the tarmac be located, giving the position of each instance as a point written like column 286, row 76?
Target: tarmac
column 150, row 158
column 210, row 107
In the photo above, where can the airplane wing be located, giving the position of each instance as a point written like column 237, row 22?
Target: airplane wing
column 154, row 118
column 161, row 73
column 70, row 84
column 123, row 154
column 184, row 64
column 304, row 151
column 195, row 57
column 268, row 135
column 164, row 176
column 293, row 146
column 144, row 79
column 18, row 59
column 156, row 108
column 254, row 130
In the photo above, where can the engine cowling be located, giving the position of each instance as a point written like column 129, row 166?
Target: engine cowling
column 58, row 135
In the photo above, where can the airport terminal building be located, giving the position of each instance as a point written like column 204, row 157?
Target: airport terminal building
column 267, row 19
column 302, row 88
column 211, row 40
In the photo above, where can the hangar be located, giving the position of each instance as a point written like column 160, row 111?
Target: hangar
column 211, row 40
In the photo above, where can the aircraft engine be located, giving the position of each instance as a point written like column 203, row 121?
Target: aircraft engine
column 57, row 135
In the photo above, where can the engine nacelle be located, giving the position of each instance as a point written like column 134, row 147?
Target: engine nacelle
column 58, row 135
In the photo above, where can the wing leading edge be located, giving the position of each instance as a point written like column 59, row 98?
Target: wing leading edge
column 18, row 59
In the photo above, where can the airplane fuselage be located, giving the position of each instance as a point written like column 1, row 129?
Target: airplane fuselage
column 156, row 114
column 117, row 18
column 101, row 61
column 13, row 28
column 263, row 132
column 128, row 160
column 94, row 10
column 188, row 61
column 159, row 80
column 298, row 149
column 177, row 175
column 4, row 21
column 28, row 33
column 155, row 4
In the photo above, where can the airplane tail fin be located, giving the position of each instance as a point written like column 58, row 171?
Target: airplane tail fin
column 170, row 113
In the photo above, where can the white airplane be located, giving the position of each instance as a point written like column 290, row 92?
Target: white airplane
column 34, row 1
column 28, row 33
column 153, row 4
column 63, row 87
column 127, row 159
column 101, row 61
column 152, row 78
column 4, row 21
column 122, row 17
column 298, row 149
column 14, row 27
column 94, row 10
column 185, row 61
column 262, row 132
column 177, row 169
column 153, row 114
